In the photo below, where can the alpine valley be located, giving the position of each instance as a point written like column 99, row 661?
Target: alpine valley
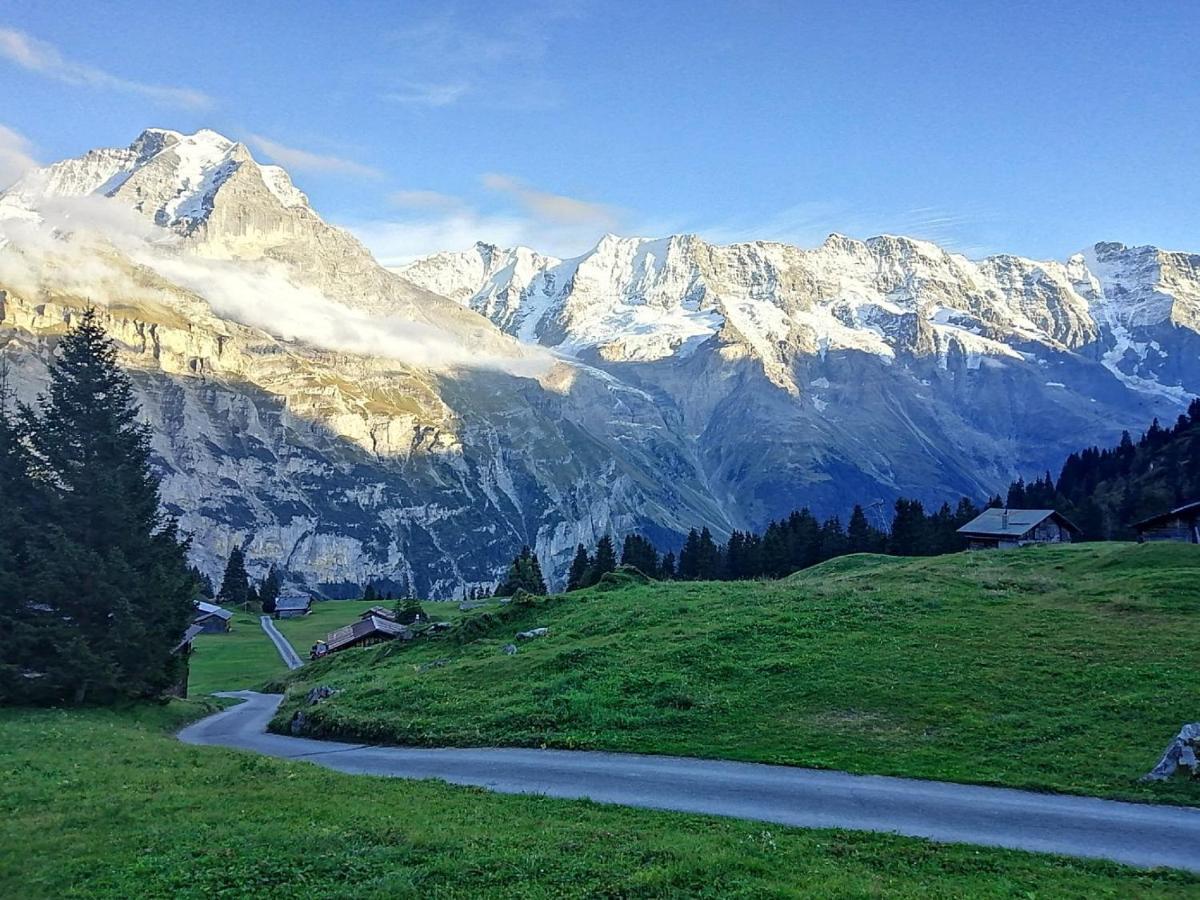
column 414, row 427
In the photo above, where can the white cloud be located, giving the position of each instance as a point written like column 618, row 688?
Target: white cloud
column 16, row 156
column 306, row 161
column 425, row 94
column 94, row 248
column 447, row 57
column 38, row 56
column 425, row 200
column 553, row 207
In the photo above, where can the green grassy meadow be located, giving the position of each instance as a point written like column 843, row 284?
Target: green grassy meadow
column 106, row 803
column 243, row 658
column 1063, row 669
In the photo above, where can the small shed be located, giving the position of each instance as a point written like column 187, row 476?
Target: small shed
column 184, row 650
column 999, row 528
column 212, row 618
column 1179, row 524
column 293, row 606
column 365, row 632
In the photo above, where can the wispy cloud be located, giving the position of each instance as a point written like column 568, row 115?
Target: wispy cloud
column 430, row 221
column 425, row 200
column 808, row 224
column 554, row 208
column 413, row 93
column 446, row 58
column 38, row 56
column 16, row 156
column 307, row 161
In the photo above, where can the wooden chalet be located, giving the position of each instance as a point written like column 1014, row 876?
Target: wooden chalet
column 212, row 618
column 292, row 607
column 999, row 528
column 365, row 632
column 1179, row 524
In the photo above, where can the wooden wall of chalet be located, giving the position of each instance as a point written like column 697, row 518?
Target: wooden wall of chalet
column 1176, row 529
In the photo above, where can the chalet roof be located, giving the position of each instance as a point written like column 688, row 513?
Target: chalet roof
column 204, row 610
column 295, row 601
column 188, row 637
column 1188, row 510
column 1012, row 523
column 363, row 628
column 381, row 611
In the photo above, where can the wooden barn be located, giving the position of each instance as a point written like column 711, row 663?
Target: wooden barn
column 292, row 607
column 1180, row 524
column 999, row 528
column 212, row 618
column 365, row 632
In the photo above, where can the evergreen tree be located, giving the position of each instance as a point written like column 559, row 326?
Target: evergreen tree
column 605, row 560
column 860, row 536
column 235, row 586
column 579, row 569
column 204, row 583
column 410, row 612
column 268, row 594
column 909, row 529
column 689, row 557
column 370, row 595
column 666, row 569
column 131, row 589
column 708, row 562
column 524, row 574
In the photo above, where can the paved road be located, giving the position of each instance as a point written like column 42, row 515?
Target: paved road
column 290, row 658
column 1138, row 834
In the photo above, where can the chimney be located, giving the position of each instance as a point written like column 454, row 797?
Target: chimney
column 1004, row 519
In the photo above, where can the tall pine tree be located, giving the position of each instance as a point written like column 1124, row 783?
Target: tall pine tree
column 235, row 586
column 131, row 588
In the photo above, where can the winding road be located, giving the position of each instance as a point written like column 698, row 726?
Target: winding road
column 1133, row 833
column 291, row 658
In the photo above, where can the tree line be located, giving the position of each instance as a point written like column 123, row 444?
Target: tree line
column 1105, row 491
column 785, row 546
column 95, row 587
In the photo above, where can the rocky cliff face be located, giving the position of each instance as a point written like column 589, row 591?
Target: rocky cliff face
column 860, row 369
column 416, row 428
column 350, row 456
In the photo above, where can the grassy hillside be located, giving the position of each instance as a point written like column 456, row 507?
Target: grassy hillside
column 1062, row 668
column 104, row 803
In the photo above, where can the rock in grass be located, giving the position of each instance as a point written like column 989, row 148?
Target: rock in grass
column 317, row 694
column 299, row 723
column 509, row 649
column 532, row 633
column 1180, row 754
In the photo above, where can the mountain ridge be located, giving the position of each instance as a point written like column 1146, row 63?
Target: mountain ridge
column 416, row 428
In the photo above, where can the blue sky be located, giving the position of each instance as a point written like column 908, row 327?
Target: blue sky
column 1030, row 128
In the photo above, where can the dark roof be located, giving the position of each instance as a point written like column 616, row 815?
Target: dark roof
column 204, row 610
column 382, row 611
column 343, row 637
column 188, row 637
column 1012, row 523
column 293, row 602
column 1167, row 516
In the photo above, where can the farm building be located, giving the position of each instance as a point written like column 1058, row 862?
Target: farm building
column 381, row 612
column 998, row 528
column 365, row 632
column 184, row 650
column 212, row 618
column 292, row 607
column 1180, row 524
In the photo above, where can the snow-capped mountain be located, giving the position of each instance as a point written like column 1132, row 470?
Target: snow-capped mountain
column 417, row 426
column 308, row 403
column 859, row 368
